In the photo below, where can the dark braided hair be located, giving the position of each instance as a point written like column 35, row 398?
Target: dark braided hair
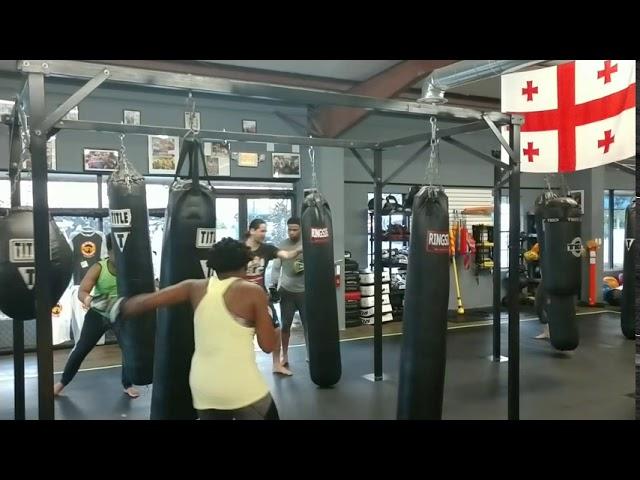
column 228, row 255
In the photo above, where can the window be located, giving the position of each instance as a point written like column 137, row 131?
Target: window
column 5, row 194
column 227, row 218
column 63, row 194
column 615, row 205
column 275, row 212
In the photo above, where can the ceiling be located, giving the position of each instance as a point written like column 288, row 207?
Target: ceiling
column 353, row 70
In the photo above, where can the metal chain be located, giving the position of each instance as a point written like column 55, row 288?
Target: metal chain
column 312, row 157
column 191, row 107
column 432, row 170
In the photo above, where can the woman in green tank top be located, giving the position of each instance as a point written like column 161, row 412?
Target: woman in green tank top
column 98, row 290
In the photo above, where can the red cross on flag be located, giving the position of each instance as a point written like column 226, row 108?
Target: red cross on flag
column 577, row 115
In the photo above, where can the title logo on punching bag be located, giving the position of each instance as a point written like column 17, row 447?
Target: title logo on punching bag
column 319, row 235
column 21, row 250
column 575, row 247
column 628, row 242
column 120, row 218
column 205, row 237
column 121, row 239
column 28, row 275
column 437, row 241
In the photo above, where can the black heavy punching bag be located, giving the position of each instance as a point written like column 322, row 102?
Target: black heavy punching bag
column 132, row 246
column 423, row 357
column 321, row 304
column 628, row 314
column 541, row 298
column 562, row 221
column 189, row 232
column 17, row 264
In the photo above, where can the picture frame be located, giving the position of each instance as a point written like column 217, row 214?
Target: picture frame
column 72, row 115
column 192, row 121
column 6, row 107
column 285, row 165
column 578, row 196
column 246, row 159
column 249, row 126
column 131, row 117
column 217, row 159
column 100, row 159
column 164, row 152
column 51, row 156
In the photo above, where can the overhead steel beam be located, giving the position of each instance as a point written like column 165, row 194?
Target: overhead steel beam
column 500, row 138
column 445, row 133
column 363, row 163
column 74, row 100
column 252, row 90
column 211, row 134
column 406, row 163
column 475, row 152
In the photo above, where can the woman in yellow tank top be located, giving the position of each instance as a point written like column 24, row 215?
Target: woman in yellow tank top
column 228, row 311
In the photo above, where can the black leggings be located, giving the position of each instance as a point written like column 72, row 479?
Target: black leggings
column 263, row 409
column 94, row 326
column 289, row 303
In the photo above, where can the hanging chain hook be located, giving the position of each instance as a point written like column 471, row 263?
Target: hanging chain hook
column 432, row 165
column 312, row 157
column 191, row 111
column 123, row 149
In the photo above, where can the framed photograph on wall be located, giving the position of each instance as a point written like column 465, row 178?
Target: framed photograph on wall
column 249, row 126
column 578, row 196
column 163, row 153
column 51, row 156
column 131, row 117
column 6, row 107
column 72, row 115
column 100, row 159
column 246, row 159
column 217, row 159
column 286, row 165
column 192, row 120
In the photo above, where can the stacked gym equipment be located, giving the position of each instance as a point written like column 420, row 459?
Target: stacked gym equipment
column 352, row 293
column 367, row 300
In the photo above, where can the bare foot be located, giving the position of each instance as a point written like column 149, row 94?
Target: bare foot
column 132, row 392
column 281, row 369
column 544, row 335
column 57, row 389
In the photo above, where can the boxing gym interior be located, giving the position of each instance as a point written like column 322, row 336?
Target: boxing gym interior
column 464, row 232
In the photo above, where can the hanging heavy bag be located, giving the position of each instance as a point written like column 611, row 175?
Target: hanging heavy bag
column 132, row 247
column 541, row 296
column 562, row 251
column 17, row 264
column 423, row 357
column 628, row 314
column 189, row 233
column 321, row 304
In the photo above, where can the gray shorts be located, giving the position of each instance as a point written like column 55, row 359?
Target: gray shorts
column 263, row 409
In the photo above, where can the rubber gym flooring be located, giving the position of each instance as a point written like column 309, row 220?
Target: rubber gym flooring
column 596, row 381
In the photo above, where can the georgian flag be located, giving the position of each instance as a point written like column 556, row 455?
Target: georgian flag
column 578, row 115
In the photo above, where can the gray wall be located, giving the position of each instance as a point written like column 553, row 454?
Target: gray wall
column 161, row 108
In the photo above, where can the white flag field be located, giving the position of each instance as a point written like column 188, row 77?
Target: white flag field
column 578, row 115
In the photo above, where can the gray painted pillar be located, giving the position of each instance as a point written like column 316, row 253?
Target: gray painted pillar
column 592, row 181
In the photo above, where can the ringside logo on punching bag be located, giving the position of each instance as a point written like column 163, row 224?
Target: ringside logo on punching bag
column 437, row 242
column 319, row 235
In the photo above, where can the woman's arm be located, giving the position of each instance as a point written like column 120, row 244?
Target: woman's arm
column 264, row 325
column 88, row 282
column 137, row 304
